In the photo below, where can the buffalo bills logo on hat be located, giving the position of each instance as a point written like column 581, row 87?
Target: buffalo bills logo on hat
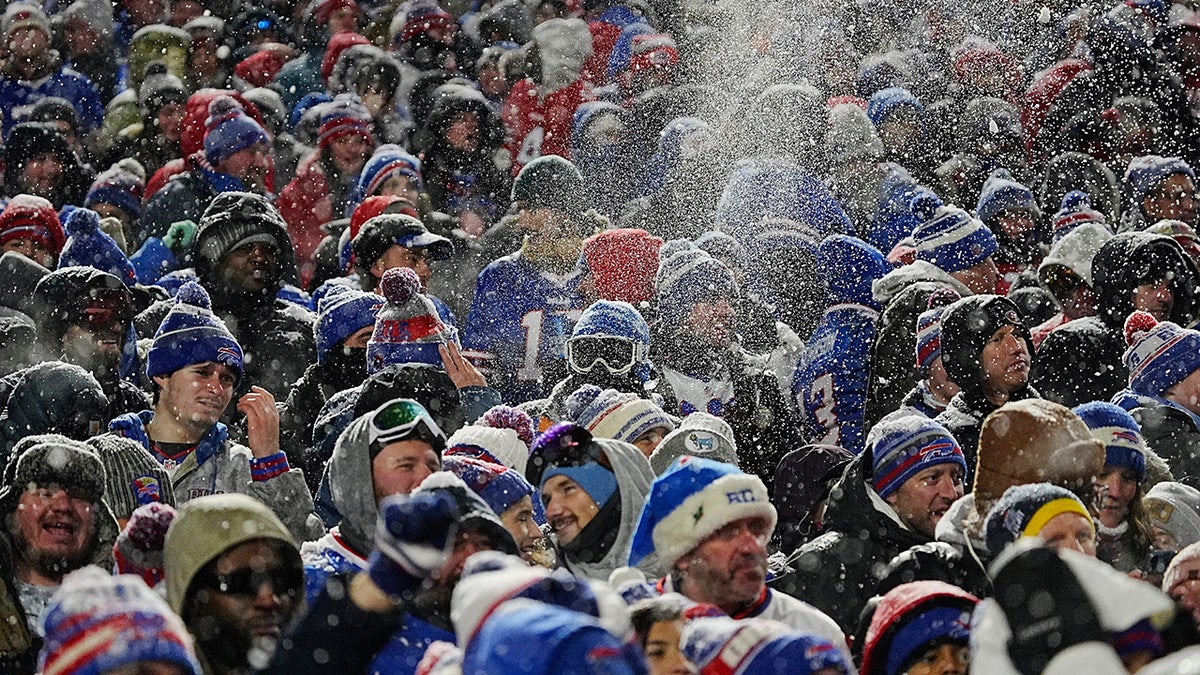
column 940, row 448
column 146, row 489
column 229, row 356
column 976, row 250
column 818, row 649
column 1125, row 435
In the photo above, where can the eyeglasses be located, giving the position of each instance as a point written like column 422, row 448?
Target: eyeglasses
column 618, row 354
column 400, row 419
column 249, row 581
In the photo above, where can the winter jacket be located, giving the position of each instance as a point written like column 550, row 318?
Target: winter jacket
column 893, row 612
column 184, row 197
column 299, row 412
column 52, row 397
column 1121, row 546
column 957, row 555
column 306, row 203
column 31, row 139
column 1081, row 360
column 919, row 401
column 964, row 417
column 219, row 465
column 837, row 572
column 143, row 142
column 17, row 97
column 1173, row 432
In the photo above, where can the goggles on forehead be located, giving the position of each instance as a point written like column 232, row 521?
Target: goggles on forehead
column 401, row 419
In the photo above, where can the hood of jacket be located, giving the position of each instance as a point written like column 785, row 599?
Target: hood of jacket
column 350, row 479
column 899, row 279
column 901, row 603
column 1127, row 257
column 53, row 397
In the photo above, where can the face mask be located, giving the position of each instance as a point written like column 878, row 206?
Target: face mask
column 346, row 367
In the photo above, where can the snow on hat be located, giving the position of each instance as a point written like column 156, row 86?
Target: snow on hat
column 121, row 185
column 903, row 447
column 700, row 435
column 1184, row 566
column 420, row 18
column 380, row 233
column 407, row 329
column 926, row 613
column 569, row 450
column 851, row 135
column 342, row 312
column 949, row 237
column 30, row 217
column 1146, row 173
column 52, row 458
column 687, row 278
column 622, row 263
column 967, row 325
column 1160, row 354
column 343, row 116
column 550, row 182
column 88, row 246
column 23, row 15
column 387, row 161
column 611, row 414
column 132, row 477
column 725, row 646
column 502, row 436
column 97, row 14
column 1001, row 192
column 692, row 499
column 98, row 623
column 229, row 129
column 1076, row 250
column 1175, row 508
column 499, row 485
column 884, row 101
column 191, row 333
column 1023, row 510
column 159, row 87
column 615, row 318
column 929, row 327
column 235, row 219
column 1075, row 210
column 651, row 51
column 1121, row 435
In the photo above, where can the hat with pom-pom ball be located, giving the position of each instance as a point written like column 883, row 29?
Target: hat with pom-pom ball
column 1160, row 354
column 502, row 436
column 229, row 130
column 88, row 246
column 408, row 329
column 190, row 333
column 948, row 236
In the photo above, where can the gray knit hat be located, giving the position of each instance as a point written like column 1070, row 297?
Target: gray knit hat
column 1175, row 509
column 132, row 477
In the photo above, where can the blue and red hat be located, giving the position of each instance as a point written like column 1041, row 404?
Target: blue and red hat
column 904, row 447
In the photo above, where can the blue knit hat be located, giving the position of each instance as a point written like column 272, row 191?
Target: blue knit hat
column 883, row 102
column 613, row 317
column 1075, row 210
column 923, row 628
column 598, row 481
column 500, row 486
column 388, row 160
column 121, row 185
column 229, row 129
column 929, row 327
column 1146, row 173
column 1023, row 511
column 190, row 333
column 88, row 246
column 903, row 447
column 687, row 278
column 692, row 499
column 342, row 312
column 1001, row 192
column 1160, row 354
column 1121, row 435
column 757, row 647
column 949, row 237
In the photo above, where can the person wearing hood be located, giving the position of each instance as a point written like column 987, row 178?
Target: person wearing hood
column 232, row 573
column 708, row 523
column 920, row 628
column 154, row 140
column 1067, row 273
column 592, row 490
column 600, row 147
column 34, row 71
column 539, row 110
column 831, row 385
column 85, row 31
column 1158, row 188
column 52, row 397
column 987, row 352
column 1030, row 441
column 1082, row 360
column 29, row 226
column 39, row 161
column 56, row 521
column 243, row 257
column 1010, row 211
column 196, row 364
column 889, row 499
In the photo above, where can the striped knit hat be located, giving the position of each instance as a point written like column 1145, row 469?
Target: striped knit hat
column 929, row 327
column 611, row 414
column 387, row 161
column 1024, row 510
column 1121, row 435
column 1160, row 354
column 904, row 447
column 229, row 130
column 949, row 237
column 407, row 329
column 343, row 116
column 1076, row 209
column 191, row 333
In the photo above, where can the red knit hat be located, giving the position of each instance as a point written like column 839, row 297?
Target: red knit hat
column 30, row 217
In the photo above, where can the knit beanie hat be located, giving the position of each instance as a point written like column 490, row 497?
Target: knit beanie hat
column 1001, row 192
column 20, row 15
column 622, row 263
column 502, row 436
column 343, row 116
column 97, row 14
column 924, row 614
column 1075, row 210
column 191, row 333
column 1023, row 511
column 1175, row 508
column 132, row 477
column 1160, row 354
column 387, row 161
column 850, row 134
column 29, row 217
column 949, row 237
column 612, row 318
column 929, row 327
column 967, row 325
column 1148, row 172
column 88, row 246
column 903, row 447
column 692, row 499
column 611, row 414
column 500, row 486
column 99, row 623
column 721, row 645
column 121, row 185
column 408, row 329
column 550, row 182
column 883, row 102
column 159, row 87
column 235, row 219
column 569, row 450
column 382, row 232
column 342, row 312
column 1121, row 435
column 139, row 548
column 1184, row 566
column 52, row 458
column 229, row 130
column 699, row 434
column 688, row 277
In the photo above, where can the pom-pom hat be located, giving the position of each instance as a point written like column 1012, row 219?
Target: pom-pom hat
column 408, row 329
column 229, row 130
column 949, row 237
column 1160, row 354
column 502, row 436
column 88, row 246
column 190, row 333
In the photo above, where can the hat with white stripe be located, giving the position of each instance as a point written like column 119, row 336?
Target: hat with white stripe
column 948, row 236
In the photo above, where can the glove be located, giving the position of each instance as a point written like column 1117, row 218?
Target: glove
column 1046, row 608
column 179, row 236
column 414, row 538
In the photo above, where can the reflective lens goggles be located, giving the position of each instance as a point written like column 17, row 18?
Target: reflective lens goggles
column 619, row 355
column 401, row 419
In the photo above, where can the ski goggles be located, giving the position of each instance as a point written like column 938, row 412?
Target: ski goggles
column 618, row 355
column 402, row 419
